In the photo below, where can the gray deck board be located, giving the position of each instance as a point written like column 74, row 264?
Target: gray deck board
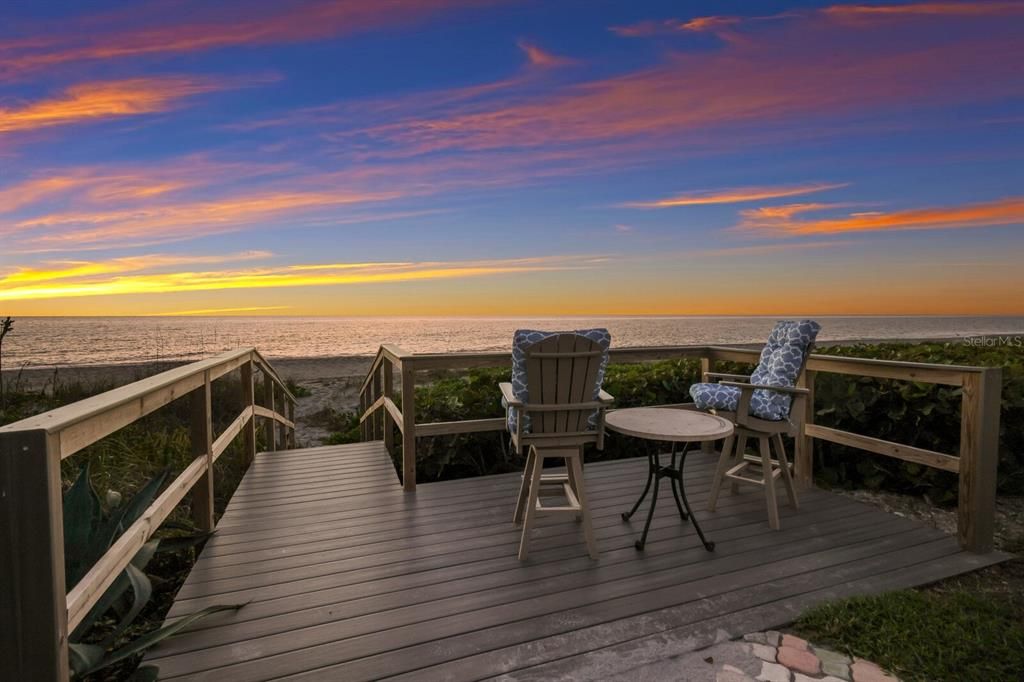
column 347, row 577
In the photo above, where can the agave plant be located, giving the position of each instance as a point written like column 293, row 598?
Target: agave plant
column 89, row 531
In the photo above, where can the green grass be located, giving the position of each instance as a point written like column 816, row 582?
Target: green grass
column 930, row 636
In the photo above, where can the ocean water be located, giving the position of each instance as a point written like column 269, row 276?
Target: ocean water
column 55, row 341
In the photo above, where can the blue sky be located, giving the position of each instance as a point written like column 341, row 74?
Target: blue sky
column 488, row 157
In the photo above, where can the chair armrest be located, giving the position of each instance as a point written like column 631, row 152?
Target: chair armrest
column 792, row 390
column 720, row 375
column 506, row 393
column 605, row 398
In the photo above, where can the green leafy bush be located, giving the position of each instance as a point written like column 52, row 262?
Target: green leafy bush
column 911, row 413
column 917, row 414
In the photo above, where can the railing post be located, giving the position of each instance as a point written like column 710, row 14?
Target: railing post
column 202, row 446
column 803, row 455
column 408, row 425
column 979, row 458
column 706, row 365
column 33, row 603
column 248, row 401
column 389, row 390
column 268, row 400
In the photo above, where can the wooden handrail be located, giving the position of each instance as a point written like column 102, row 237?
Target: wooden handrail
column 34, row 599
column 975, row 464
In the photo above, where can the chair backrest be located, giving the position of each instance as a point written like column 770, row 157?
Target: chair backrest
column 782, row 361
column 559, row 375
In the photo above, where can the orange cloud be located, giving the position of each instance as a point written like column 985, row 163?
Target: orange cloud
column 62, row 270
column 35, row 189
column 103, row 100
column 805, row 70
column 733, row 196
column 162, row 30
column 221, row 311
column 645, row 29
column 969, row 8
column 35, row 284
column 1003, row 212
column 165, row 222
column 542, row 58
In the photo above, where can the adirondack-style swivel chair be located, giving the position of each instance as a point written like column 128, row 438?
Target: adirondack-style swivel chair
column 555, row 406
column 764, row 406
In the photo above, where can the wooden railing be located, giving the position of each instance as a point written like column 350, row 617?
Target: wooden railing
column 975, row 463
column 36, row 610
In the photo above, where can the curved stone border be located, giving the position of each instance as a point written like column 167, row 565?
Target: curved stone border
column 786, row 658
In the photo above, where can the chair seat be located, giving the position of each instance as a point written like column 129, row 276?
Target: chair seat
column 763, row 403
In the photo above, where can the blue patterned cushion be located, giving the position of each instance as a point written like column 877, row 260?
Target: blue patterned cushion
column 523, row 339
column 780, row 364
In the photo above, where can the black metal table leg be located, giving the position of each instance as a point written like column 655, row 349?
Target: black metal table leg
column 709, row 546
column 656, row 472
column 639, row 544
column 652, row 470
column 677, row 481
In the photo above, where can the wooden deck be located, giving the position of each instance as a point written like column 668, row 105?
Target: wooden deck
column 349, row 578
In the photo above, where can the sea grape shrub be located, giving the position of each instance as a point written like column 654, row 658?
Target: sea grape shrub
column 922, row 415
column 475, row 395
column 912, row 413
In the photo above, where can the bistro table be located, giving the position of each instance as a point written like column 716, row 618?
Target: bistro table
column 672, row 425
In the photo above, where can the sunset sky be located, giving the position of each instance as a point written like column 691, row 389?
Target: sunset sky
column 511, row 157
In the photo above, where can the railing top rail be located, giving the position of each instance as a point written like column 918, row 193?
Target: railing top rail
column 818, row 361
column 873, row 362
column 269, row 369
column 61, row 418
column 393, row 353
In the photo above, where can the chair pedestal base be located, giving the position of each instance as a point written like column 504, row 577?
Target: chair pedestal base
column 570, row 485
column 737, row 466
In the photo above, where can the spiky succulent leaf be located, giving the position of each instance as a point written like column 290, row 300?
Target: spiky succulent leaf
column 82, row 516
column 144, row 642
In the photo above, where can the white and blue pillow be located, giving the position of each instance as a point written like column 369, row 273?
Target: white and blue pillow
column 781, row 360
column 523, row 339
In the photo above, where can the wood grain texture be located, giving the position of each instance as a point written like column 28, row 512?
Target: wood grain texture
column 348, row 577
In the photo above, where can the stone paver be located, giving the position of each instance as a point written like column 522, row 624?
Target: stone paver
column 833, row 663
column 773, row 672
column 774, row 657
column 866, row 671
column 794, row 642
column 798, row 660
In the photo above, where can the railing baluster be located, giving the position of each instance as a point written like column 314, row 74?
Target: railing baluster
column 202, row 446
column 376, row 421
column 248, row 401
column 389, row 391
column 268, row 400
column 408, row 425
